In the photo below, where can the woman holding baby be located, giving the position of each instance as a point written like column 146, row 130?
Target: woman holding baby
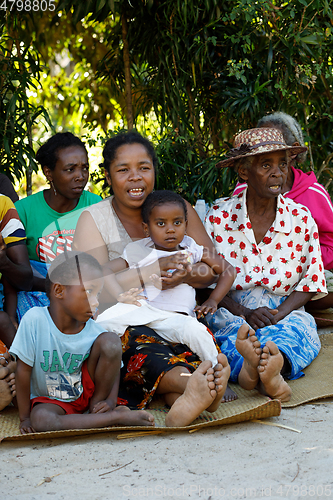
column 150, row 363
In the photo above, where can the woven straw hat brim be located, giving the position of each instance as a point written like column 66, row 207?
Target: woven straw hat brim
column 229, row 162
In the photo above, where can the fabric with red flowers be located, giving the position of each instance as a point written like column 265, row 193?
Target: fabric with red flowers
column 287, row 259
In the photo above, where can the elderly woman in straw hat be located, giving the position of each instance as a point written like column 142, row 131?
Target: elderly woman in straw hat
column 273, row 244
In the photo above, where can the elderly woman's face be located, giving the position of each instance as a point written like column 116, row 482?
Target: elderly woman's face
column 131, row 175
column 267, row 174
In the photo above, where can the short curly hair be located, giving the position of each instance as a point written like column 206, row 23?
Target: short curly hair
column 67, row 269
column 158, row 198
column 47, row 155
column 122, row 139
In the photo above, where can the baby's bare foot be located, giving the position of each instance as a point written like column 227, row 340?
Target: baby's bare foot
column 221, row 377
column 271, row 381
column 229, row 395
column 248, row 346
column 199, row 394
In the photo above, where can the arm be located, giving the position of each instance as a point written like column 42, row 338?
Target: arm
column 87, row 238
column 23, row 375
column 293, row 302
column 263, row 316
column 201, row 275
column 138, row 277
column 10, row 295
column 227, row 275
column 15, row 265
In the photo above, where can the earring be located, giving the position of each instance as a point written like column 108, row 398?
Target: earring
column 54, row 189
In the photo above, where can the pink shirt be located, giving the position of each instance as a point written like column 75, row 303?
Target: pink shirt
column 308, row 192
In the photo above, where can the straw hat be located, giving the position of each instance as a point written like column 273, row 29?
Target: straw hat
column 256, row 141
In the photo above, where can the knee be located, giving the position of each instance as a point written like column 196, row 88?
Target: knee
column 43, row 420
column 109, row 346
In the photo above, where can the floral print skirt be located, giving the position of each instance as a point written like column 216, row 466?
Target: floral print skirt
column 146, row 358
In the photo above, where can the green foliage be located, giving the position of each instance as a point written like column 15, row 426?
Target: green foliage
column 19, row 73
column 181, row 169
column 205, row 69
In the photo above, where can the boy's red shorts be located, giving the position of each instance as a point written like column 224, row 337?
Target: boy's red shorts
column 81, row 404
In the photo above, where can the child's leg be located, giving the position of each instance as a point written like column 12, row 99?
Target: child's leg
column 51, row 417
column 189, row 331
column 118, row 317
column 104, row 369
column 204, row 390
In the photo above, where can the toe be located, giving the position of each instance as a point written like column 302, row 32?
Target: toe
column 204, row 367
column 272, row 348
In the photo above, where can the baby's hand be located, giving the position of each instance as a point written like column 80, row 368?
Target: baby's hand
column 131, row 296
column 26, row 427
column 209, row 306
column 101, row 407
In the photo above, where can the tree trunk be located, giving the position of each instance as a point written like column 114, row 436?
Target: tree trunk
column 128, row 85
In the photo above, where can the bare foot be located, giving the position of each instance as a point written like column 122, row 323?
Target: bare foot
column 271, row 381
column 7, row 381
column 199, row 394
column 221, row 377
column 229, row 395
column 5, row 394
column 134, row 417
column 248, row 346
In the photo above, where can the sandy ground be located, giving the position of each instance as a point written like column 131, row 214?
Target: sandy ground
column 247, row 460
column 240, row 461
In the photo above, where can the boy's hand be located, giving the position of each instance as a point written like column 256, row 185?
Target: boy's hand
column 209, row 306
column 131, row 296
column 26, row 427
column 101, row 407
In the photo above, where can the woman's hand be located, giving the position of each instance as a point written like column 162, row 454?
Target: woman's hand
column 261, row 317
column 209, row 306
column 178, row 261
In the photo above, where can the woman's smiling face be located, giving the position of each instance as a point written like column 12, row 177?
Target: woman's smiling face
column 267, row 175
column 131, row 175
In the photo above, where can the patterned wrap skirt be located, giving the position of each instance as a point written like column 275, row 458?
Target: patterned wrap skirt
column 295, row 335
column 146, row 358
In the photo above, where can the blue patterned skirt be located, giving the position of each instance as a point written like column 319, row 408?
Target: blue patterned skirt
column 295, row 335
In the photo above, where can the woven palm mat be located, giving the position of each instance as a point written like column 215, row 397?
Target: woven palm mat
column 318, row 380
column 249, row 405
column 316, row 384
